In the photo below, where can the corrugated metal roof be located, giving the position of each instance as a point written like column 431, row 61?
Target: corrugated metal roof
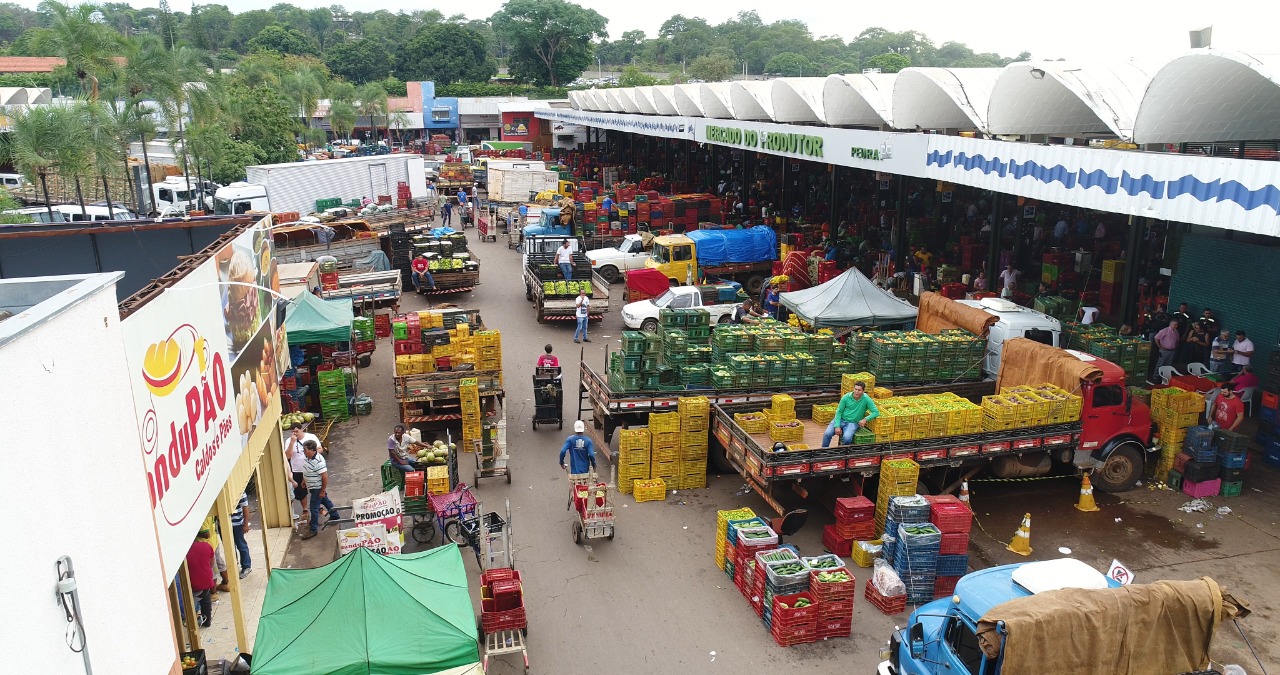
column 1212, row 95
column 30, row 64
column 488, row 105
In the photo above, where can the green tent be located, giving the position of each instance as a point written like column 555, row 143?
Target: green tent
column 367, row 613
column 309, row 320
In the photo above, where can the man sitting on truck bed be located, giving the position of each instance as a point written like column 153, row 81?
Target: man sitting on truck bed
column 856, row 409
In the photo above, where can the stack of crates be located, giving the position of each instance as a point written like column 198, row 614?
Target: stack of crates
column 954, row 520
column 362, row 329
column 722, row 525
column 333, row 395
column 855, row 521
column 633, row 457
column 488, row 347
column 1268, row 416
column 437, row 480
column 1112, row 283
column 1173, row 407
column 664, row 455
column 695, row 418
column 915, row 559
column 898, row 478
column 731, row 540
column 472, row 430
column 1233, row 455
column 1197, row 463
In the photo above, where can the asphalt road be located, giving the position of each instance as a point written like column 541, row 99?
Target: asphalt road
column 652, row 599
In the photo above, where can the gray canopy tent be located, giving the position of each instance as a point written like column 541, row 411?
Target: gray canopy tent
column 850, row 299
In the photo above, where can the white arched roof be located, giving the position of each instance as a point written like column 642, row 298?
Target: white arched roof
column 858, row 100
column 13, row 96
column 627, row 97
column 752, row 100
column 39, row 95
column 644, row 99
column 943, row 98
column 1057, row 97
column 1212, row 95
column 664, row 99
column 716, row 101
column 688, row 100
column 575, row 100
column 611, row 101
column 798, row 99
column 594, row 100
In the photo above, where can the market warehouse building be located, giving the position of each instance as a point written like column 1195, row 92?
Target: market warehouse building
column 183, row 400
column 1190, row 144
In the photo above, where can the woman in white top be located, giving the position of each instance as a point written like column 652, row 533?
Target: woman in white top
column 582, row 311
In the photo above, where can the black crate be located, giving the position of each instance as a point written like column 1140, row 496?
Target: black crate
column 1230, row 474
column 201, row 667
column 1230, row 441
column 1199, row 472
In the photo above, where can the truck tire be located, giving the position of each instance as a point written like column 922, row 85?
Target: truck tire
column 754, row 285
column 1121, row 470
column 649, row 326
column 610, row 274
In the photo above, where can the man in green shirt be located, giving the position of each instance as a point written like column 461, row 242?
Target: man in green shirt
column 856, row 409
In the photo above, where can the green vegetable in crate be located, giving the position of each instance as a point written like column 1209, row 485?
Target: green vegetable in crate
column 802, row 602
column 793, row 568
column 825, row 563
column 549, row 287
column 833, row 577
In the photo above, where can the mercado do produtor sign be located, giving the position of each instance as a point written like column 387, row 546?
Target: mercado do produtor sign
column 202, row 358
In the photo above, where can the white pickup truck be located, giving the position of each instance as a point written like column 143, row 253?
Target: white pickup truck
column 613, row 263
column 643, row 315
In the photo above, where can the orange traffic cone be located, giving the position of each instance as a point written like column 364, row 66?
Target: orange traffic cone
column 1021, row 543
column 964, row 492
column 1086, row 496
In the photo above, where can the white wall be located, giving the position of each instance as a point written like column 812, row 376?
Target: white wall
column 72, row 476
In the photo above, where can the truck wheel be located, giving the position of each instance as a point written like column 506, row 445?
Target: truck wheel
column 1122, row 469
column 754, row 283
column 674, row 282
column 649, row 326
column 609, row 274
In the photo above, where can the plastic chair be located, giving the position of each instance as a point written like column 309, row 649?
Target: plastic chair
column 1166, row 373
column 790, row 523
column 1246, row 397
column 1197, row 369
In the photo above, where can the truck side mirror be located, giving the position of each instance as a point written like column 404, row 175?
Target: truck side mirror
column 917, row 641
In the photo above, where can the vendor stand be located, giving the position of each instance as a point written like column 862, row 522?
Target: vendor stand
column 323, row 375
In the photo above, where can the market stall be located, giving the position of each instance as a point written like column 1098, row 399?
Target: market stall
column 325, row 342
column 369, row 613
column 848, row 300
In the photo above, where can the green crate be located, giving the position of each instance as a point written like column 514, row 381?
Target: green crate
column 1232, row 488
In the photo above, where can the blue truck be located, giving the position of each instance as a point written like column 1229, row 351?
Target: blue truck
column 1060, row 616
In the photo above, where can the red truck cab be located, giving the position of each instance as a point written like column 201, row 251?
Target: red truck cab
column 1116, row 428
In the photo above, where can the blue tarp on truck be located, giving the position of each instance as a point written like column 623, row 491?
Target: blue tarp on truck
column 721, row 247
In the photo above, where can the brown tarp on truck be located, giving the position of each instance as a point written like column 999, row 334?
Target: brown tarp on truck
column 1158, row 628
column 1024, row 361
column 938, row 312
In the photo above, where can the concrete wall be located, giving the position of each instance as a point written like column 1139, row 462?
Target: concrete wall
column 73, row 477
column 1235, row 280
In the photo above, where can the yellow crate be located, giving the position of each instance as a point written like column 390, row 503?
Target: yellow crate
column 1190, row 402
column 664, row 422
column 1163, row 398
column 665, row 441
column 881, row 393
column 1172, row 434
column 693, row 406
column 783, row 407
column 658, row 455
column 650, row 490
column 780, row 431
column 752, row 423
column 849, row 379
column 634, row 439
column 862, row 558
column 696, row 423
column 633, row 456
column 692, row 481
column 823, row 414
column 794, row 447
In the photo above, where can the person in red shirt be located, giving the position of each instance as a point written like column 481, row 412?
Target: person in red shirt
column 1244, row 380
column 422, row 270
column 548, row 360
column 1228, row 411
column 200, row 569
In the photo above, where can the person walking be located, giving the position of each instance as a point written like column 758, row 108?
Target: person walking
column 564, row 258
column 856, row 409
column 200, row 569
column 581, row 451
column 316, row 472
column 297, row 459
column 398, row 444
column 446, row 213
column 582, row 310
column 240, row 525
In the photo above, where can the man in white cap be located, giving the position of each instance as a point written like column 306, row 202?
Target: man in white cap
column 581, row 451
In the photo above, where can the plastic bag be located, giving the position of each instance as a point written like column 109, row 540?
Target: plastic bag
column 869, row 547
column 887, row 581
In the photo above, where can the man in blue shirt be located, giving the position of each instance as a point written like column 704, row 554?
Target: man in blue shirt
column 607, row 206
column 581, row 451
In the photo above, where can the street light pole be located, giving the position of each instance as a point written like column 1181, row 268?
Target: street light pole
column 599, row 68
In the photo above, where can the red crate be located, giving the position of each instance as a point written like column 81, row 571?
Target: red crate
column 788, row 637
column 1270, row 400
column 952, row 518
column 835, row 543
column 366, row 346
column 831, row 592
column 288, row 383
column 792, row 615
column 504, row 603
column 498, row 574
column 860, row 531
column 493, row 622
column 1180, row 462
column 329, row 278
column 895, row 605
column 941, row 499
column 835, row 624
column 850, row 509
column 954, row 291
column 407, row 347
column 1204, row 488
column 836, row 609
column 836, row 633
column 944, row 586
column 954, row 543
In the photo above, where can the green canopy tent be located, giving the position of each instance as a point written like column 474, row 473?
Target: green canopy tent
column 367, row 613
column 850, row 299
column 310, row 320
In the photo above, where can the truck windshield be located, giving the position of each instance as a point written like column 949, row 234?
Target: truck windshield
column 665, row 299
column 629, row 246
column 661, row 254
column 221, row 207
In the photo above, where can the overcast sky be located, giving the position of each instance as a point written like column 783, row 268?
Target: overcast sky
column 1083, row 29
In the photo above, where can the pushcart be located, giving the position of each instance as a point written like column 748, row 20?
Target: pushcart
column 548, row 397
column 502, row 624
column 492, row 461
column 593, row 506
column 441, row 512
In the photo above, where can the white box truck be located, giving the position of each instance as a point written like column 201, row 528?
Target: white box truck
column 295, row 186
column 519, row 185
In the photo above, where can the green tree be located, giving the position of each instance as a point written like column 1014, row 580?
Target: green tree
column 632, row 76
column 14, row 20
column 168, row 28
column 209, row 27
column 550, row 39
column 445, row 53
column 789, row 64
column 712, row 68
column 33, row 145
column 342, row 118
column 263, row 117
column 888, row 63
column 103, row 142
column 372, row 103
column 359, row 61
column 246, row 26
column 282, row 40
column 303, row 87
column 75, row 35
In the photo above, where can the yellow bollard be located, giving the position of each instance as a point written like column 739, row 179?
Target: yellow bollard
column 1086, row 496
column 1021, row 543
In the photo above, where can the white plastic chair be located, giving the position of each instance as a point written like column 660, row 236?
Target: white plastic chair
column 1197, row 369
column 1166, row 373
column 1246, row 397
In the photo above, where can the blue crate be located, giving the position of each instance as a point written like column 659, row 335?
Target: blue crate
column 909, row 509
column 734, row 525
column 890, row 527
column 1209, row 454
column 1198, row 438
column 1233, row 460
column 931, row 539
column 953, row 565
column 1267, row 415
column 889, row 545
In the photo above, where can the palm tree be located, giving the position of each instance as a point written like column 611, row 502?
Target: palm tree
column 373, row 102
column 147, row 69
column 342, row 117
column 103, row 144
column 190, row 70
column 304, row 87
column 33, row 145
column 87, row 45
column 71, row 152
